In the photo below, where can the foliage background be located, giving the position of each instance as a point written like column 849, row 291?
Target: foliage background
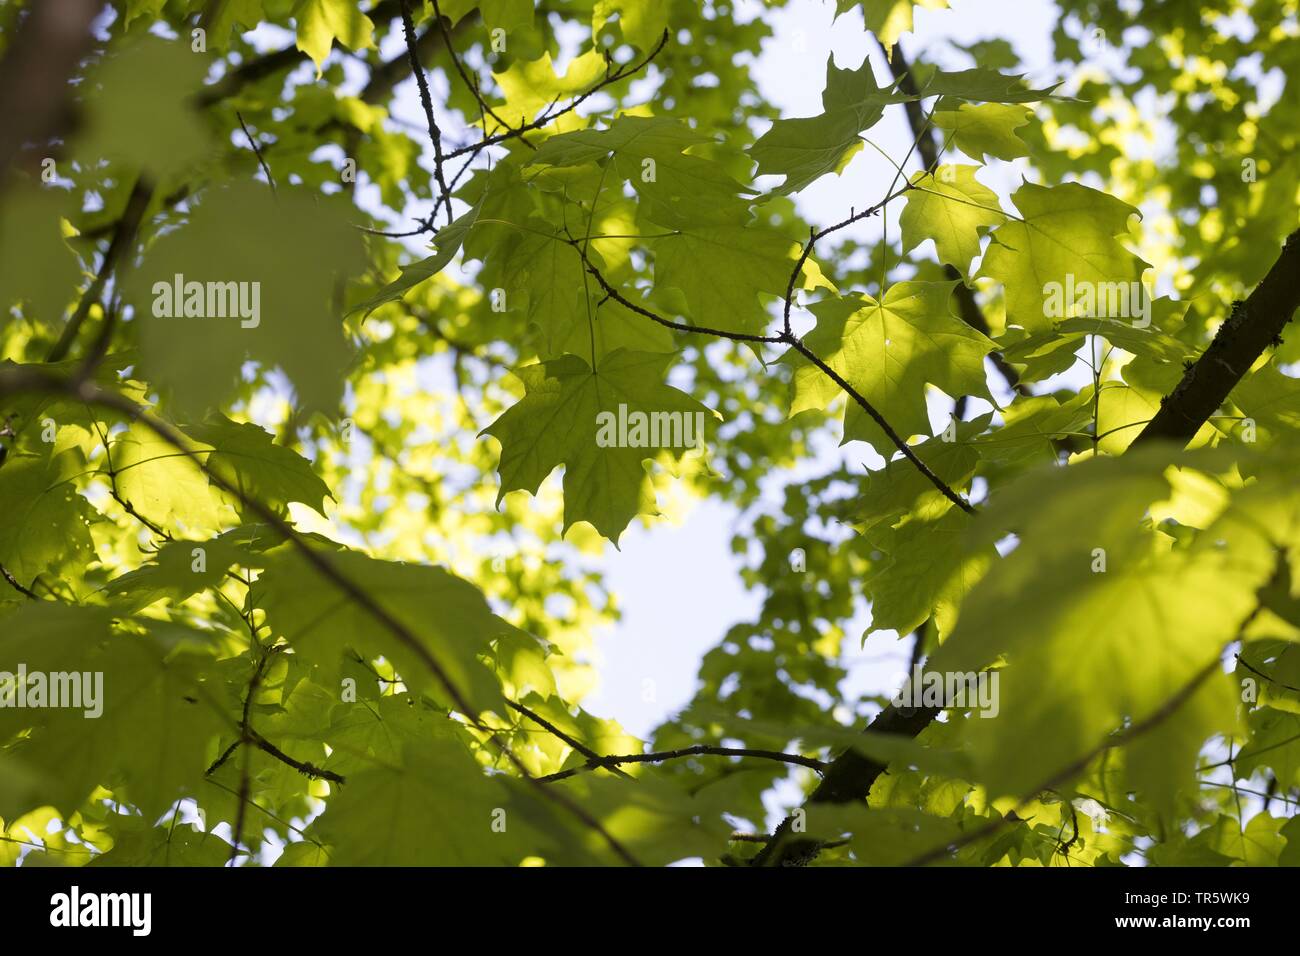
column 358, row 415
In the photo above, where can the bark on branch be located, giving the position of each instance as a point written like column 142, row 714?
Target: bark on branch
column 34, row 74
column 1253, row 326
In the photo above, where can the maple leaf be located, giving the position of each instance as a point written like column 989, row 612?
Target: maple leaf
column 889, row 351
column 558, row 422
column 950, row 207
column 1066, row 231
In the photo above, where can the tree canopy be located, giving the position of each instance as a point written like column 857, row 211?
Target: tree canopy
column 318, row 421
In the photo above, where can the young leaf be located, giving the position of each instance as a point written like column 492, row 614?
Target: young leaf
column 950, row 209
column 889, row 351
column 1067, row 237
column 573, row 415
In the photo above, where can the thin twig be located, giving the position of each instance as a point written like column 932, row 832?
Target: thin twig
column 123, row 234
column 426, row 101
column 257, row 151
column 469, row 81
column 697, row 750
column 549, row 116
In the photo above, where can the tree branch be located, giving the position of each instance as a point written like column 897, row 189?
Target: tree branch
column 849, row 777
column 1253, row 326
column 123, row 236
column 435, row 134
column 41, row 58
column 257, row 151
column 17, row 585
column 788, row 338
column 696, row 750
column 471, row 83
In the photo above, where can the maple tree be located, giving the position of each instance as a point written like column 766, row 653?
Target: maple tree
column 293, row 491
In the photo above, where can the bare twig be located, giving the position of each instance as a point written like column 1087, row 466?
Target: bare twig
column 696, row 750
column 123, row 235
column 426, row 101
column 257, row 151
column 550, row 115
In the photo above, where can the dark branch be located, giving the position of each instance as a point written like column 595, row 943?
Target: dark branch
column 16, row 584
column 697, row 750
column 40, row 60
column 1253, row 326
column 302, row 766
column 469, row 81
column 791, row 340
column 426, row 101
column 123, row 235
column 257, row 151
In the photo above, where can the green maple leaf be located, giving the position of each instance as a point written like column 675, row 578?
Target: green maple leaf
column 889, row 351
column 247, row 458
column 539, row 266
column 532, row 268
column 950, row 208
column 295, row 249
column 531, row 86
column 655, row 821
column 984, row 129
column 676, row 188
column 447, row 616
column 805, row 149
column 888, row 19
column 508, row 15
column 47, row 524
column 923, row 570
column 1025, row 437
column 899, row 490
column 181, row 568
column 1067, row 230
column 558, row 422
column 166, row 487
column 980, row 84
column 37, row 268
column 140, row 109
column 1258, row 843
column 226, row 15
column 149, row 741
column 362, row 737
column 924, row 574
column 641, row 21
column 1271, row 398
column 1113, row 645
column 321, row 22
column 722, row 271
column 435, row 808
column 885, row 836
column 1274, row 744
column 137, row 843
column 1160, row 764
